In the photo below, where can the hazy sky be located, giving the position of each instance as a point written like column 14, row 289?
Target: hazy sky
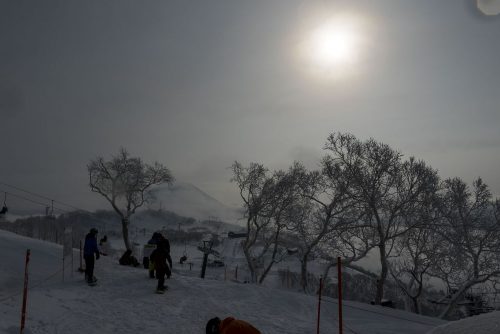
column 199, row 84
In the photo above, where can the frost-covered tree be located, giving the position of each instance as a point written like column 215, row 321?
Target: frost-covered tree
column 322, row 208
column 386, row 186
column 125, row 182
column 414, row 257
column 469, row 251
column 414, row 251
column 267, row 201
column 351, row 243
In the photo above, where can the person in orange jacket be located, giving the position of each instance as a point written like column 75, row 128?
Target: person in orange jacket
column 230, row 325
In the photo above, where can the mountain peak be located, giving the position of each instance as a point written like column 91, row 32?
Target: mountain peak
column 188, row 200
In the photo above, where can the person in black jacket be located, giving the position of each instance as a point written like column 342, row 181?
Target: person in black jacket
column 162, row 262
column 148, row 249
column 89, row 249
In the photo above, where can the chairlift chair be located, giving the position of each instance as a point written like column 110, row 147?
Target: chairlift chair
column 4, row 208
column 184, row 256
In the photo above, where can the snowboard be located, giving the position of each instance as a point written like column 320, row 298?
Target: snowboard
column 94, row 282
column 161, row 291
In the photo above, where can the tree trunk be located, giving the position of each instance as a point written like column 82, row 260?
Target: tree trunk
column 453, row 302
column 246, row 251
column 125, row 233
column 264, row 274
column 271, row 263
column 416, row 305
column 446, row 312
column 383, row 275
column 303, row 271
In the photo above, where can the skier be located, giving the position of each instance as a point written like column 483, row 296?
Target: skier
column 160, row 258
column 230, row 325
column 90, row 248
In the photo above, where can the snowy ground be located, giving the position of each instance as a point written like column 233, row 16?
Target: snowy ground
column 124, row 301
column 488, row 323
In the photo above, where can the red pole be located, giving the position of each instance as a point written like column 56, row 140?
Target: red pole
column 339, row 275
column 25, row 293
column 319, row 303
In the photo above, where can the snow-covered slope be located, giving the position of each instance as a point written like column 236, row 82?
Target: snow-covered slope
column 188, row 200
column 124, row 301
column 488, row 323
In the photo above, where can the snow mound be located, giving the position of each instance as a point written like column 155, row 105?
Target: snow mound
column 488, row 323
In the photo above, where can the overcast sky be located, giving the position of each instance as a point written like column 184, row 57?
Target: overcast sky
column 199, row 84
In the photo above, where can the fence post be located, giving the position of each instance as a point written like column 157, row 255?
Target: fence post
column 81, row 266
column 339, row 283
column 204, row 265
column 319, row 303
column 25, row 292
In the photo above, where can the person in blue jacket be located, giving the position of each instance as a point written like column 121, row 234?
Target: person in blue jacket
column 90, row 248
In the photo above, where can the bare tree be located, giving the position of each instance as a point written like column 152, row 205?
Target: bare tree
column 267, row 201
column 469, row 252
column 351, row 244
column 125, row 183
column 324, row 207
column 385, row 185
column 414, row 253
column 410, row 267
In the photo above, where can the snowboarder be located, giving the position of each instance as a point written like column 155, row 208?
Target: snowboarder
column 90, row 248
column 230, row 325
column 160, row 258
column 128, row 259
column 147, row 251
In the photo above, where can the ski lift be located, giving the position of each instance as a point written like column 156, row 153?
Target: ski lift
column 184, row 255
column 49, row 211
column 4, row 208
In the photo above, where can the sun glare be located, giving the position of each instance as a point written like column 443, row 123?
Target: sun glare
column 333, row 46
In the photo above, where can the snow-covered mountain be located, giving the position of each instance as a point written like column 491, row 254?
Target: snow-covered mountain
column 188, row 200
column 124, row 300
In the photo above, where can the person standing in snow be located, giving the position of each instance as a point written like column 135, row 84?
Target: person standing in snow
column 169, row 258
column 160, row 258
column 89, row 249
column 230, row 325
column 103, row 245
column 148, row 250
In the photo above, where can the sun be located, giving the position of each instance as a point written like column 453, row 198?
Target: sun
column 333, row 46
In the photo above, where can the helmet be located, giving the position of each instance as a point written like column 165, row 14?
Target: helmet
column 213, row 326
column 93, row 230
